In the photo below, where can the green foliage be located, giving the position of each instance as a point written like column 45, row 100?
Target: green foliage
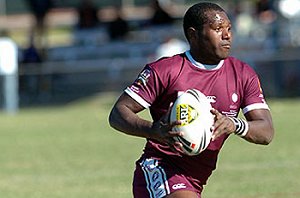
column 71, row 151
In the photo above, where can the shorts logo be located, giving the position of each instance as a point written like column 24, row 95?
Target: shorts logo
column 178, row 186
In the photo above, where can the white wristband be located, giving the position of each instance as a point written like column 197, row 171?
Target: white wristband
column 241, row 126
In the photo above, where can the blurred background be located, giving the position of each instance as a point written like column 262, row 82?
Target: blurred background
column 69, row 49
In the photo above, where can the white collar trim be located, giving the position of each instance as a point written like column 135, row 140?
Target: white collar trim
column 203, row 66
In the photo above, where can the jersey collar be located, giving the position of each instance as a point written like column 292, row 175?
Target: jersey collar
column 203, row 66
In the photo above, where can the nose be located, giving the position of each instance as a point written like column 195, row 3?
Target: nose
column 227, row 34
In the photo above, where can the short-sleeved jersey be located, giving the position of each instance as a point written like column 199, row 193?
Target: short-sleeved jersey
column 231, row 86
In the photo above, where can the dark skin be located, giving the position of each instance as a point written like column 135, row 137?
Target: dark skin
column 123, row 117
column 216, row 38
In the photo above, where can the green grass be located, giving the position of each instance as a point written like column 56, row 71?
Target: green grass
column 255, row 171
column 70, row 151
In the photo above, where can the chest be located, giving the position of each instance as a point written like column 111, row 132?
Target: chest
column 223, row 88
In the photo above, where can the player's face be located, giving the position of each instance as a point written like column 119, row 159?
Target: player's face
column 213, row 42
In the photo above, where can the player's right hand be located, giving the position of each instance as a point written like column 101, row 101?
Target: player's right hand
column 163, row 131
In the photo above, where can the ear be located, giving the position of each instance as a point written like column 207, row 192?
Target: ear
column 192, row 33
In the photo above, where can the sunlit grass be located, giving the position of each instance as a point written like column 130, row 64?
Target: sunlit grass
column 70, row 151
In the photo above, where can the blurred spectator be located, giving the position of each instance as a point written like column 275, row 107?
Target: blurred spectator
column 29, row 84
column 265, row 11
column 267, row 15
column 87, row 14
column 160, row 16
column 118, row 28
column 243, row 18
column 39, row 9
column 263, row 5
column 170, row 47
column 31, row 53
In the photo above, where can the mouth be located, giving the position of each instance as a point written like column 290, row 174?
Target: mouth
column 226, row 46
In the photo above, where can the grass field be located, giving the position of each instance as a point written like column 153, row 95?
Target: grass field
column 70, row 151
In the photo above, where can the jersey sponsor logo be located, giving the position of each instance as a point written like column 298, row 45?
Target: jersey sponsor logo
column 212, row 99
column 234, row 97
column 178, row 186
column 231, row 112
column 186, row 114
column 143, row 77
column 134, row 88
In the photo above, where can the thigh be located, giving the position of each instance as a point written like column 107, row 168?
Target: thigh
column 153, row 178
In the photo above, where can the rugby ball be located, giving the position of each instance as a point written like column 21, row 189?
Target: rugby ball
column 192, row 108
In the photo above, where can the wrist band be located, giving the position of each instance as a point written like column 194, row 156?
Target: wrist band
column 241, row 126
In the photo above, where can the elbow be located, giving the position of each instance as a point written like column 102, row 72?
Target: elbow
column 269, row 134
column 111, row 120
column 268, row 137
column 263, row 138
column 266, row 141
column 115, row 121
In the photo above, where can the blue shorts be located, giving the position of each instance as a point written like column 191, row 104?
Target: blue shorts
column 155, row 178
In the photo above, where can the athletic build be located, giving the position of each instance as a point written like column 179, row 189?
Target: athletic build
column 231, row 85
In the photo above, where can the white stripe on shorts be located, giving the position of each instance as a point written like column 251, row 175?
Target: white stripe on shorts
column 156, row 178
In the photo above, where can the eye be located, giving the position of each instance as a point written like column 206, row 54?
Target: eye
column 229, row 29
column 219, row 29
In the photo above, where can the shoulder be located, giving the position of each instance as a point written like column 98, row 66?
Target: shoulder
column 166, row 61
column 240, row 66
column 168, row 65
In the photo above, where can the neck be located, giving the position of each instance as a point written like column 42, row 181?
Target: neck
column 203, row 65
column 204, row 60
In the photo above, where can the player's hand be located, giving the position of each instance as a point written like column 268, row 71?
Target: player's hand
column 163, row 131
column 222, row 125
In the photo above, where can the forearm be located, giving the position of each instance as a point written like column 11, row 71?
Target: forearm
column 261, row 129
column 124, row 120
column 260, row 132
column 257, row 128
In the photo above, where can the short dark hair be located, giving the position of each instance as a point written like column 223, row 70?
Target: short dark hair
column 196, row 15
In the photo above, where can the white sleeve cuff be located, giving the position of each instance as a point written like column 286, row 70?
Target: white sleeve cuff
column 137, row 98
column 255, row 106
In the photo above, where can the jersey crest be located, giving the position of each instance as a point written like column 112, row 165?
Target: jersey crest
column 143, row 77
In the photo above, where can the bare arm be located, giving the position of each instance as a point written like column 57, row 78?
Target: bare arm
column 124, row 118
column 260, row 131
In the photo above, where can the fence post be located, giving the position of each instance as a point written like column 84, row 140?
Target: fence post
column 9, row 72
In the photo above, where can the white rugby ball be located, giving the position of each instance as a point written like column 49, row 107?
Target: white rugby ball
column 192, row 108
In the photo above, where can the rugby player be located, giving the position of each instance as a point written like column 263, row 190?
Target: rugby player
column 230, row 84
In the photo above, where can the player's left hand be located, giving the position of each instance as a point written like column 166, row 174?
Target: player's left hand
column 222, row 125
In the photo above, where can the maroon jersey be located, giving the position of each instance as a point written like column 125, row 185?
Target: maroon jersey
column 230, row 86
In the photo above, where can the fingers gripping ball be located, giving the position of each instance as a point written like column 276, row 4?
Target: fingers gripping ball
column 192, row 108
